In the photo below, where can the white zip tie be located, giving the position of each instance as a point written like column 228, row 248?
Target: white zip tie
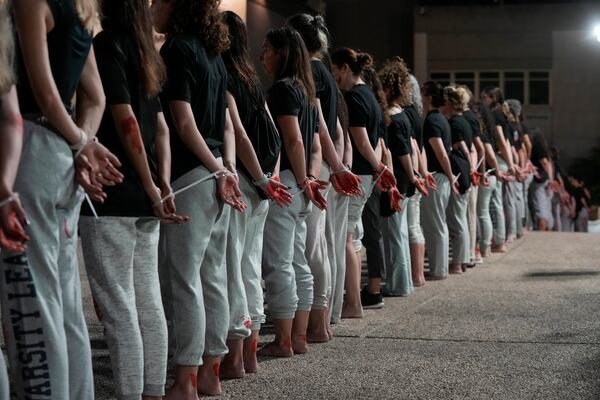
column 489, row 171
column 378, row 176
column 9, row 199
column 217, row 174
column 89, row 201
column 479, row 163
column 456, row 178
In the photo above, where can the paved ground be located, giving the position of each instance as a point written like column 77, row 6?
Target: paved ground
column 526, row 325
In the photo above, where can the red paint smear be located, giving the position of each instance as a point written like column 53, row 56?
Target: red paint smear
column 302, row 338
column 194, row 380
column 66, row 229
column 288, row 343
column 254, row 345
column 248, row 324
column 217, row 369
column 131, row 130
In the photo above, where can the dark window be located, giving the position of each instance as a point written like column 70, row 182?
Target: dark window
column 489, row 79
column 514, row 85
column 443, row 78
column 539, row 87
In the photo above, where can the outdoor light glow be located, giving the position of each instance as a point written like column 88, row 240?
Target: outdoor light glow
column 597, row 32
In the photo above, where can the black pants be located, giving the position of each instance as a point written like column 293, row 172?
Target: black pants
column 372, row 239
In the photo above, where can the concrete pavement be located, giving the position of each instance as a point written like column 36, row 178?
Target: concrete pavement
column 525, row 325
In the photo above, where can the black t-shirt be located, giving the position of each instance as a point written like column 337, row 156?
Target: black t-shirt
column 399, row 143
column 488, row 134
column 198, row 78
column 416, row 123
column 539, row 150
column 327, row 94
column 256, row 121
column 516, row 135
column 461, row 130
column 68, row 48
column 436, row 126
column 364, row 112
column 119, row 66
column 473, row 121
column 286, row 98
column 502, row 122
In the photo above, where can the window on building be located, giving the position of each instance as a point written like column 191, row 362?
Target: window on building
column 514, row 86
column 539, row 87
column 443, row 78
column 465, row 78
column 489, row 79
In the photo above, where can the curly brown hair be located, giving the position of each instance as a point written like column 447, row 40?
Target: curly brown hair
column 203, row 19
column 456, row 97
column 395, row 77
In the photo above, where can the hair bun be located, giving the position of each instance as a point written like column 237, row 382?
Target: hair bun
column 364, row 60
column 318, row 21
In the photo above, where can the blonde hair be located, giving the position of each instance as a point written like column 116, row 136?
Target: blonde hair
column 457, row 97
column 7, row 50
column 88, row 14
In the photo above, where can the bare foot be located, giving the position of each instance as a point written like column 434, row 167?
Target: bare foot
column 351, row 311
column 250, row 361
column 178, row 392
column 455, row 269
column 232, row 366
column 430, row 277
column 499, row 248
column 208, row 379
column 419, row 281
column 510, row 239
column 329, row 332
column 299, row 345
column 276, row 350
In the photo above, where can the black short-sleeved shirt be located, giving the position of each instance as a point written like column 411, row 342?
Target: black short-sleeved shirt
column 327, row 94
column 364, row 112
column 516, row 133
column 119, row 66
column 502, row 122
column 489, row 127
column 256, row 121
column 473, row 121
column 286, row 98
column 68, row 48
column 199, row 78
column 539, row 149
column 461, row 130
column 399, row 143
column 416, row 123
column 436, row 126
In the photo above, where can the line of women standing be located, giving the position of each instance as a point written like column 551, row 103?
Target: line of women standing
column 205, row 184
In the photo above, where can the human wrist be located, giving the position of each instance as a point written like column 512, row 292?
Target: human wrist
column 4, row 201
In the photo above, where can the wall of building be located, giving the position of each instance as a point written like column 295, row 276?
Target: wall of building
column 553, row 37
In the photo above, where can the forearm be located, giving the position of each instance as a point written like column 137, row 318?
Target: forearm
column 505, row 150
column 339, row 142
column 228, row 148
column 361, row 141
column 316, row 156
column 11, row 141
column 442, row 156
column 423, row 168
column 247, row 155
column 347, row 159
column 89, row 112
column 490, row 157
column 480, row 153
column 329, row 152
column 415, row 154
column 163, row 151
column 407, row 165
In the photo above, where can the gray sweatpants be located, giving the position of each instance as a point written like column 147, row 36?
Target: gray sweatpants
column 192, row 256
column 497, row 207
column 413, row 214
column 472, row 220
column 316, row 251
column 357, row 203
column 398, row 278
column 45, row 331
column 4, row 389
column 435, row 230
column 510, row 207
column 121, row 260
column 288, row 280
column 336, row 227
column 540, row 203
column 244, row 254
column 483, row 214
column 458, row 227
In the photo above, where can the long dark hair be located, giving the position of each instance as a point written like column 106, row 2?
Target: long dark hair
column 7, row 49
column 202, row 19
column 373, row 82
column 436, row 91
column 313, row 31
column 357, row 62
column 294, row 60
column 236, row 57
column 133, row 17
column 495, row 94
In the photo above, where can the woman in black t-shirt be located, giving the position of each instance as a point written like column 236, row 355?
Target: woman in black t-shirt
column 366, row 120
column 55, row 60
column 292, row 103
column 120, row 247
column 457, row 100
column 396, row 85
column 203, row 147
column 319, row 237
column 258, row 146
column 437, row 144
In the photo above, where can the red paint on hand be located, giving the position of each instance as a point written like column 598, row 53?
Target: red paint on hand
column 254, row 345
column 194, row 380
column 216, row 369
column 302, row 338
column 287, row 343
column 131, row 131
